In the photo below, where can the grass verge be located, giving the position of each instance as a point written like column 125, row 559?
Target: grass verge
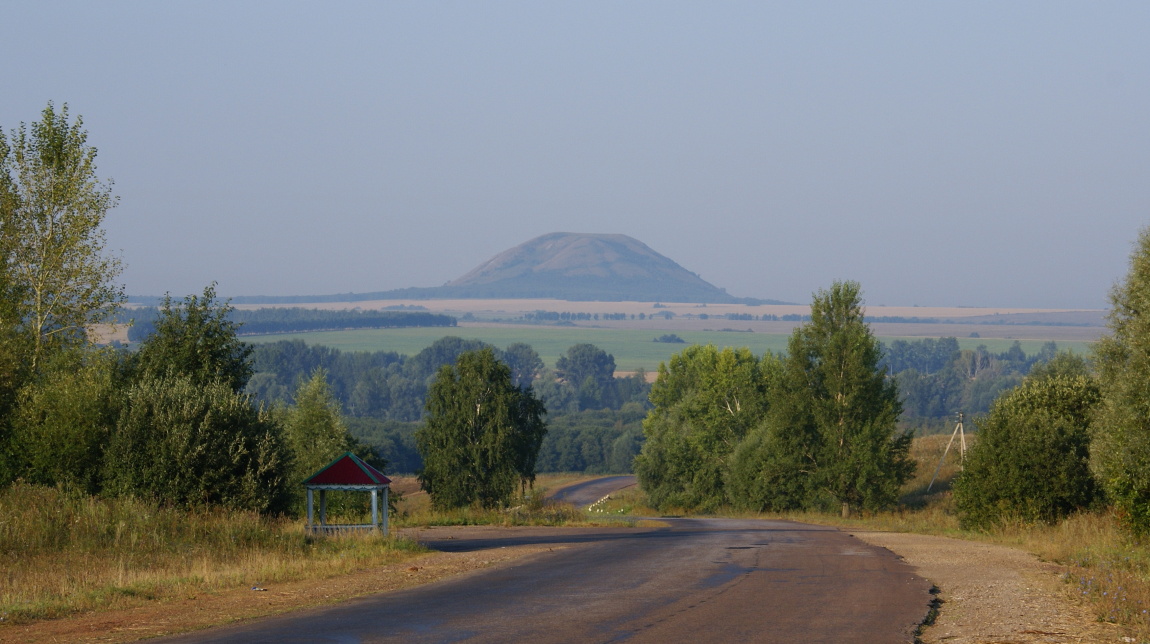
column 66, row 553
column 413, row 507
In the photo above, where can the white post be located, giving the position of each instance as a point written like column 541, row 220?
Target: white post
column 310, row 494
column 385, row 510
column 374, row 507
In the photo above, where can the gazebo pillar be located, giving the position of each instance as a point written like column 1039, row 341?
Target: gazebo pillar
column 374, row 508
column 385, row 509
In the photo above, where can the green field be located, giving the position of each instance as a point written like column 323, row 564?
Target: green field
column 633, row 349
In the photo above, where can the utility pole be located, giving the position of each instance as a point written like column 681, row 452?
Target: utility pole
column 958, row 431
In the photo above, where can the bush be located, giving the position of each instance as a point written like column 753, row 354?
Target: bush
column 191, row 445
column 64, row 419
column 1032, row 458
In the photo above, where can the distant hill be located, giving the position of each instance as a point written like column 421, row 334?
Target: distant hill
column 564, row 266
column 574, row 266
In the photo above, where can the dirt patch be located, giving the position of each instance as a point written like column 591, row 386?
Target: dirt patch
column 193, row 613
column 993, row 594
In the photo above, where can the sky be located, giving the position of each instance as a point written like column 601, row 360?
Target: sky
column 939, row 153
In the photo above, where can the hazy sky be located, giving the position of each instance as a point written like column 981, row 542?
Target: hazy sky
column 940, row 153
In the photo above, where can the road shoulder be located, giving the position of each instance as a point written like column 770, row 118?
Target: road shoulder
column 993, row 593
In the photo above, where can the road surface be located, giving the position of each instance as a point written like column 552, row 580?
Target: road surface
column 689, row 580
column 588, row 492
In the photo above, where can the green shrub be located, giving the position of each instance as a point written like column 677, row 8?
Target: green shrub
column 188, row 444
column 64, row 419
column 1032, row 458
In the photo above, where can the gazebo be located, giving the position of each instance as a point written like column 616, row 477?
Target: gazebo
column 348, row 472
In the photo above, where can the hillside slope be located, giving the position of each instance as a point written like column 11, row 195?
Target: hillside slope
column 574, row 266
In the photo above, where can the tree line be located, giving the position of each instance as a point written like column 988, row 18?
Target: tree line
column 937, row 379
column 384, row 394
column 296, row 320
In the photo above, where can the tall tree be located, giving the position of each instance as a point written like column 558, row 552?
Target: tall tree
column 1121, row 451
column 858, row 459
column 482, row 433
column 591, row 372
column 313, row 428
column 57, row 278
column 524, row 362
column 197, row 339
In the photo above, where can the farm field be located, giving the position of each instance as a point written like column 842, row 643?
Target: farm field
column 633, row 349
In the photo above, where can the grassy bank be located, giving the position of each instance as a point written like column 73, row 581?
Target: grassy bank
column 413, row 506
column 66, row 553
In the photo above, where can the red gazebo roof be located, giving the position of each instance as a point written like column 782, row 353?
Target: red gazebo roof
column 348, row 469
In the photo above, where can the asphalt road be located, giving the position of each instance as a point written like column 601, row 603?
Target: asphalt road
column 698, row 580
column 588, row 492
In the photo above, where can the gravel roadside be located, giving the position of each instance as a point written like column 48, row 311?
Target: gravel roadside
column 993, row 594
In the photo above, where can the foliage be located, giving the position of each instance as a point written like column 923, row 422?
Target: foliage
column 65, row 418
column 198, row 340
column 56, row 280
column 1032, row 458
column 313, row 428
column 525, row 363
column 590, row 371
column 193, row 444
column 1122, row 431
column 831, row 432
column 444, row 351
column 391, row 387
column 705, row 402
column 393, row 441
column 938, row 379
column 482, row 433
column 600, row 441
column 1063, row 363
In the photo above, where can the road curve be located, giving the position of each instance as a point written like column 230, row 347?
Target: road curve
column 713, row 580
column 587, row 492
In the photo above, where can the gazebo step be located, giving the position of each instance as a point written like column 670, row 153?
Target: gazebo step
column 332, row 529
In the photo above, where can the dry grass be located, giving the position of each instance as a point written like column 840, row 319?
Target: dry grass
column 413, row 506
column 66, row 553
column 630, row 501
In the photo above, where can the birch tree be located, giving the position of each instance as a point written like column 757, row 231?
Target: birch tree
column 1121, row 449
column 52, row 209
column 706, row 400
column 482, row 434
